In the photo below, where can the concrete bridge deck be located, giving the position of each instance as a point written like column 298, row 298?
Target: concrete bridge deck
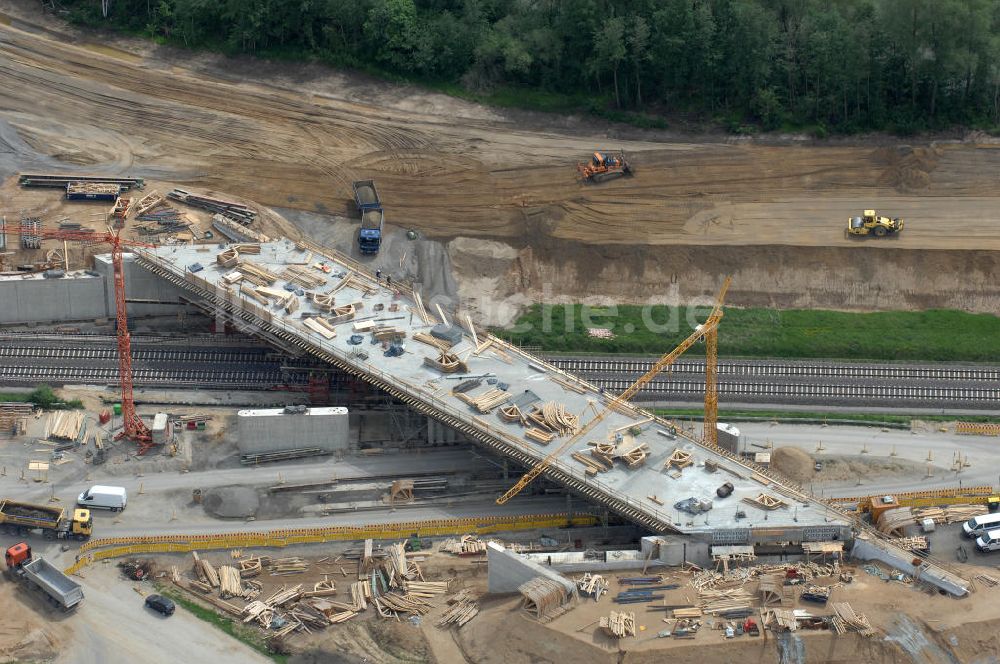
column 623, row 490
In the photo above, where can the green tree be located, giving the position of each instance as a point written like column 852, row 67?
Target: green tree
column 391, row 32
column 609, row 51
column 637, row 39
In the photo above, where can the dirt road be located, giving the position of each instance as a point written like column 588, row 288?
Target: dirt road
column 452, row 171
column 295, row 136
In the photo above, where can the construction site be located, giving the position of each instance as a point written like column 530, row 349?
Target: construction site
column 251, row 369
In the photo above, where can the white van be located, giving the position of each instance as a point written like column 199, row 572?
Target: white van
column 989, row 541
column 977, row 526
column 111, row 498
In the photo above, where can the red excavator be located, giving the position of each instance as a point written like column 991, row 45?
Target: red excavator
column 604, row 166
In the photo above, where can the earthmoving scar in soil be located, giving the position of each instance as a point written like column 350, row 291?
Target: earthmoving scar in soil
column 604, row 166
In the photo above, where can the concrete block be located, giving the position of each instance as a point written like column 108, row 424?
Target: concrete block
column 274, row 430
column 508, row 570
column 902, row 560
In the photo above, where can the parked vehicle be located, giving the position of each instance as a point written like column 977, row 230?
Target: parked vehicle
column 161, row 604
column 370, row 233
column 39, row 574
column 977, row 526
column 989, row 541
column 54, row 523
column 112, row 498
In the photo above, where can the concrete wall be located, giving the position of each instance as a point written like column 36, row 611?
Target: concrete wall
column 84, row 297
column 902, row 560
column 508, row 570
column 35, row 299
column 140, row 284
column 325, row 428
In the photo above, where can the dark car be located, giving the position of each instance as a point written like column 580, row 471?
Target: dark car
column 160, row 604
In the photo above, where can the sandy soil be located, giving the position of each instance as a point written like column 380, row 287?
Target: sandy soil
column 295, row 136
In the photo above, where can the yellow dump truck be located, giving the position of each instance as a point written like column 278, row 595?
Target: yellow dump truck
column 20, row 519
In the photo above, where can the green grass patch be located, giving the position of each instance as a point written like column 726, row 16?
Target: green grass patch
column 43, row 397
column 238, row 631
column 935, row 335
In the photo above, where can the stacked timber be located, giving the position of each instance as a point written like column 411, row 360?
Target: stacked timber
column 285, row 566
column 949, row 513
column 489, row 400
column 463, row 609
column 619, row 624
column 592, row 585
column 65, row 425
column 303, row 277
column 466, row 545
column 205, row 571
column 230, row 582
column 857, row 621
column 765, row 501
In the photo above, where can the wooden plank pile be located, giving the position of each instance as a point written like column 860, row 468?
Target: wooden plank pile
column 593, row 464
column 286, row 566
column 463, row 609
column 65, row 425
column 302, row 276
column 915, row 543
column 949, row 513
column 619, row 624
column 726, row 602
column 205, row 571
column 857, row 621
column 466, row 545
column 148, row 202
column 486, row 401
column 230, row 582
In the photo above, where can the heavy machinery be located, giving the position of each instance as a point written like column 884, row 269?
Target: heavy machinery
column 872, row 224
column 604, row 166
column 39, row 574
column 876, row 505
column 133, row 427
column 19, row 519
column 701, row 332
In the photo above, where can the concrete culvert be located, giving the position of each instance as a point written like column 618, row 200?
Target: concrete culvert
column 231, row 502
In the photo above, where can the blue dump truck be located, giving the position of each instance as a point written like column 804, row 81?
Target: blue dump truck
column 370, row 206
column 370, row 233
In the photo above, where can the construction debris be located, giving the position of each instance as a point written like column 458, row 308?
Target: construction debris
column 592, row 585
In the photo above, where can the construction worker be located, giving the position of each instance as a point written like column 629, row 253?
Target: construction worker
column 388, row 281
column 378, row 276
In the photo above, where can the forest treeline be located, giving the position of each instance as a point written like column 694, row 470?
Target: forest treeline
column 840, row 65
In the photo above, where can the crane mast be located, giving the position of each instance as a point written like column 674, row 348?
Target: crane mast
column 133, row 427
column 710, row 326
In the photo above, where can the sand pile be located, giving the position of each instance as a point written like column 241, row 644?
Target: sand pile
column 793, row 463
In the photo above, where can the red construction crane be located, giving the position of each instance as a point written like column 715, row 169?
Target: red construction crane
column 133, row 427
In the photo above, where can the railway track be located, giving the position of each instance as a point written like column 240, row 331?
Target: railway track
column 209, row 362
column 765, row 368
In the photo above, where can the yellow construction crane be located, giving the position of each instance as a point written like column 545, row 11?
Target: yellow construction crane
column 710, row 432
column 702, row 331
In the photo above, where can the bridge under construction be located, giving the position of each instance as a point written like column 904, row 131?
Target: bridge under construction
column 308, row 300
